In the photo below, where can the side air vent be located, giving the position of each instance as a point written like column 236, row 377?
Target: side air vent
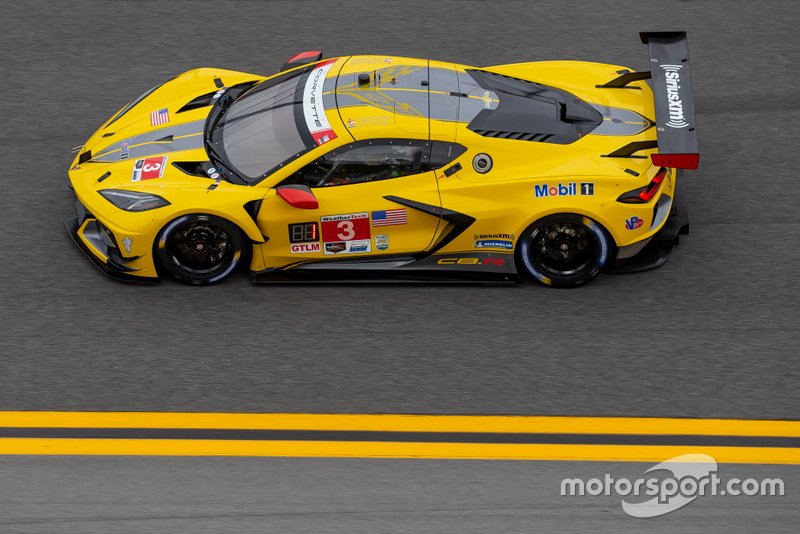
column 519, row 136
column 199, row 102
column 192, row 168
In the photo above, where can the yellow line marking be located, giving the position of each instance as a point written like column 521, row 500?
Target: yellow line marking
column 396, row 423
column 330, row 449
column 404, row 423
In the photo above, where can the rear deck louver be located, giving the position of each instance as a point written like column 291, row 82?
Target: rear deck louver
column 520, row 136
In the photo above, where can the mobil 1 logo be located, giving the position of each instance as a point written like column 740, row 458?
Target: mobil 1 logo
column 569, row 189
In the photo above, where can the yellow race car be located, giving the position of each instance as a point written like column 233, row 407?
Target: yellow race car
column 379, row 167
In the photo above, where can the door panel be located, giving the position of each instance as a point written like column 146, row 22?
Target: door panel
column 352, row 221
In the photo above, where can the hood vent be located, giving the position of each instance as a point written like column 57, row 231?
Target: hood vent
column 530, row 111
column 199, row 102
column 192, row 168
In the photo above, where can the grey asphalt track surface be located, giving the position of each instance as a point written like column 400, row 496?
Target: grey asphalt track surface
column 233, row 495
column 711, row 334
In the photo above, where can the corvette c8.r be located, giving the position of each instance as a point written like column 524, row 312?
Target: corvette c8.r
column 382, row 167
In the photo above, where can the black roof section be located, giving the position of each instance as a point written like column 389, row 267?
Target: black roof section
column 531, row 111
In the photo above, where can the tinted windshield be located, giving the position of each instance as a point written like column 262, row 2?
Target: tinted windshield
column 261, row 130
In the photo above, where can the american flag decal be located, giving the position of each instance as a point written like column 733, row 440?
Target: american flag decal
column 159, row 117
column 389, row 217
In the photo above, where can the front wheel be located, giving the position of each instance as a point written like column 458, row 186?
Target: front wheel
column 564, row 250
column 200, row 249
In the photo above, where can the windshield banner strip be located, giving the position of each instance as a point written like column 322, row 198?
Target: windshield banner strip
column 313, row 106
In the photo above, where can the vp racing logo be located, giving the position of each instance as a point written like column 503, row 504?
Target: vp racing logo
column 672, row 77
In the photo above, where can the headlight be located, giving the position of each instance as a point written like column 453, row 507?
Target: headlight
column 133, row 200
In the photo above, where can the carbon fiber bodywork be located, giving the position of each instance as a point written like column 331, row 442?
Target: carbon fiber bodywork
column 109, row 267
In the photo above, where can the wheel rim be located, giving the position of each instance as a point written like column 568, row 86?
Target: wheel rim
column 563, row 248
column 199, row 248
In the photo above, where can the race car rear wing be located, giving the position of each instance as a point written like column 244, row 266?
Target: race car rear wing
column 674, row 100
column 672, row 91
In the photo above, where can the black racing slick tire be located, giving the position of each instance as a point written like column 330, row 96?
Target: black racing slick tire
column 200, row 249
column 564, row 250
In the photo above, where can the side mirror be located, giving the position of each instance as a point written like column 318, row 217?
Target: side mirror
column 298, row 196
column 302, row 58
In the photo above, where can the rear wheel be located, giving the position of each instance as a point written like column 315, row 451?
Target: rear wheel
column 564, row 250
column 200, row 249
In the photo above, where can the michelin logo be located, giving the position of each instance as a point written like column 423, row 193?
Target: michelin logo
column 672, row 77
column 494, row 243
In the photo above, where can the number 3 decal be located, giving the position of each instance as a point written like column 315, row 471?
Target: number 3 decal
column 347, row 232
column 347, row 227
column 151, row 167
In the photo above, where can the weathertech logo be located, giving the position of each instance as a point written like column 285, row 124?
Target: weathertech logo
column 672, row 76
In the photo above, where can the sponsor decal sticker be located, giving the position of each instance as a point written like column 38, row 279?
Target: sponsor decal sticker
column 359, row 246
column 494, row 243
column 369, row 121
column 389, row 217
column 335, row 248
column 504, row 241
column 471, row 261
column 159, row 117
column 672, row 78
column 382, row 242
column 123, row 149
column 304, row 248
column 127, row 243
column 313, row 107
column 634, row 223
column 494, row 236
column 563, row 190
column 149, row 168
column 349, row 233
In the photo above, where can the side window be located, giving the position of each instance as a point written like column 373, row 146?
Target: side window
column 365, row 161
column 443, row 153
